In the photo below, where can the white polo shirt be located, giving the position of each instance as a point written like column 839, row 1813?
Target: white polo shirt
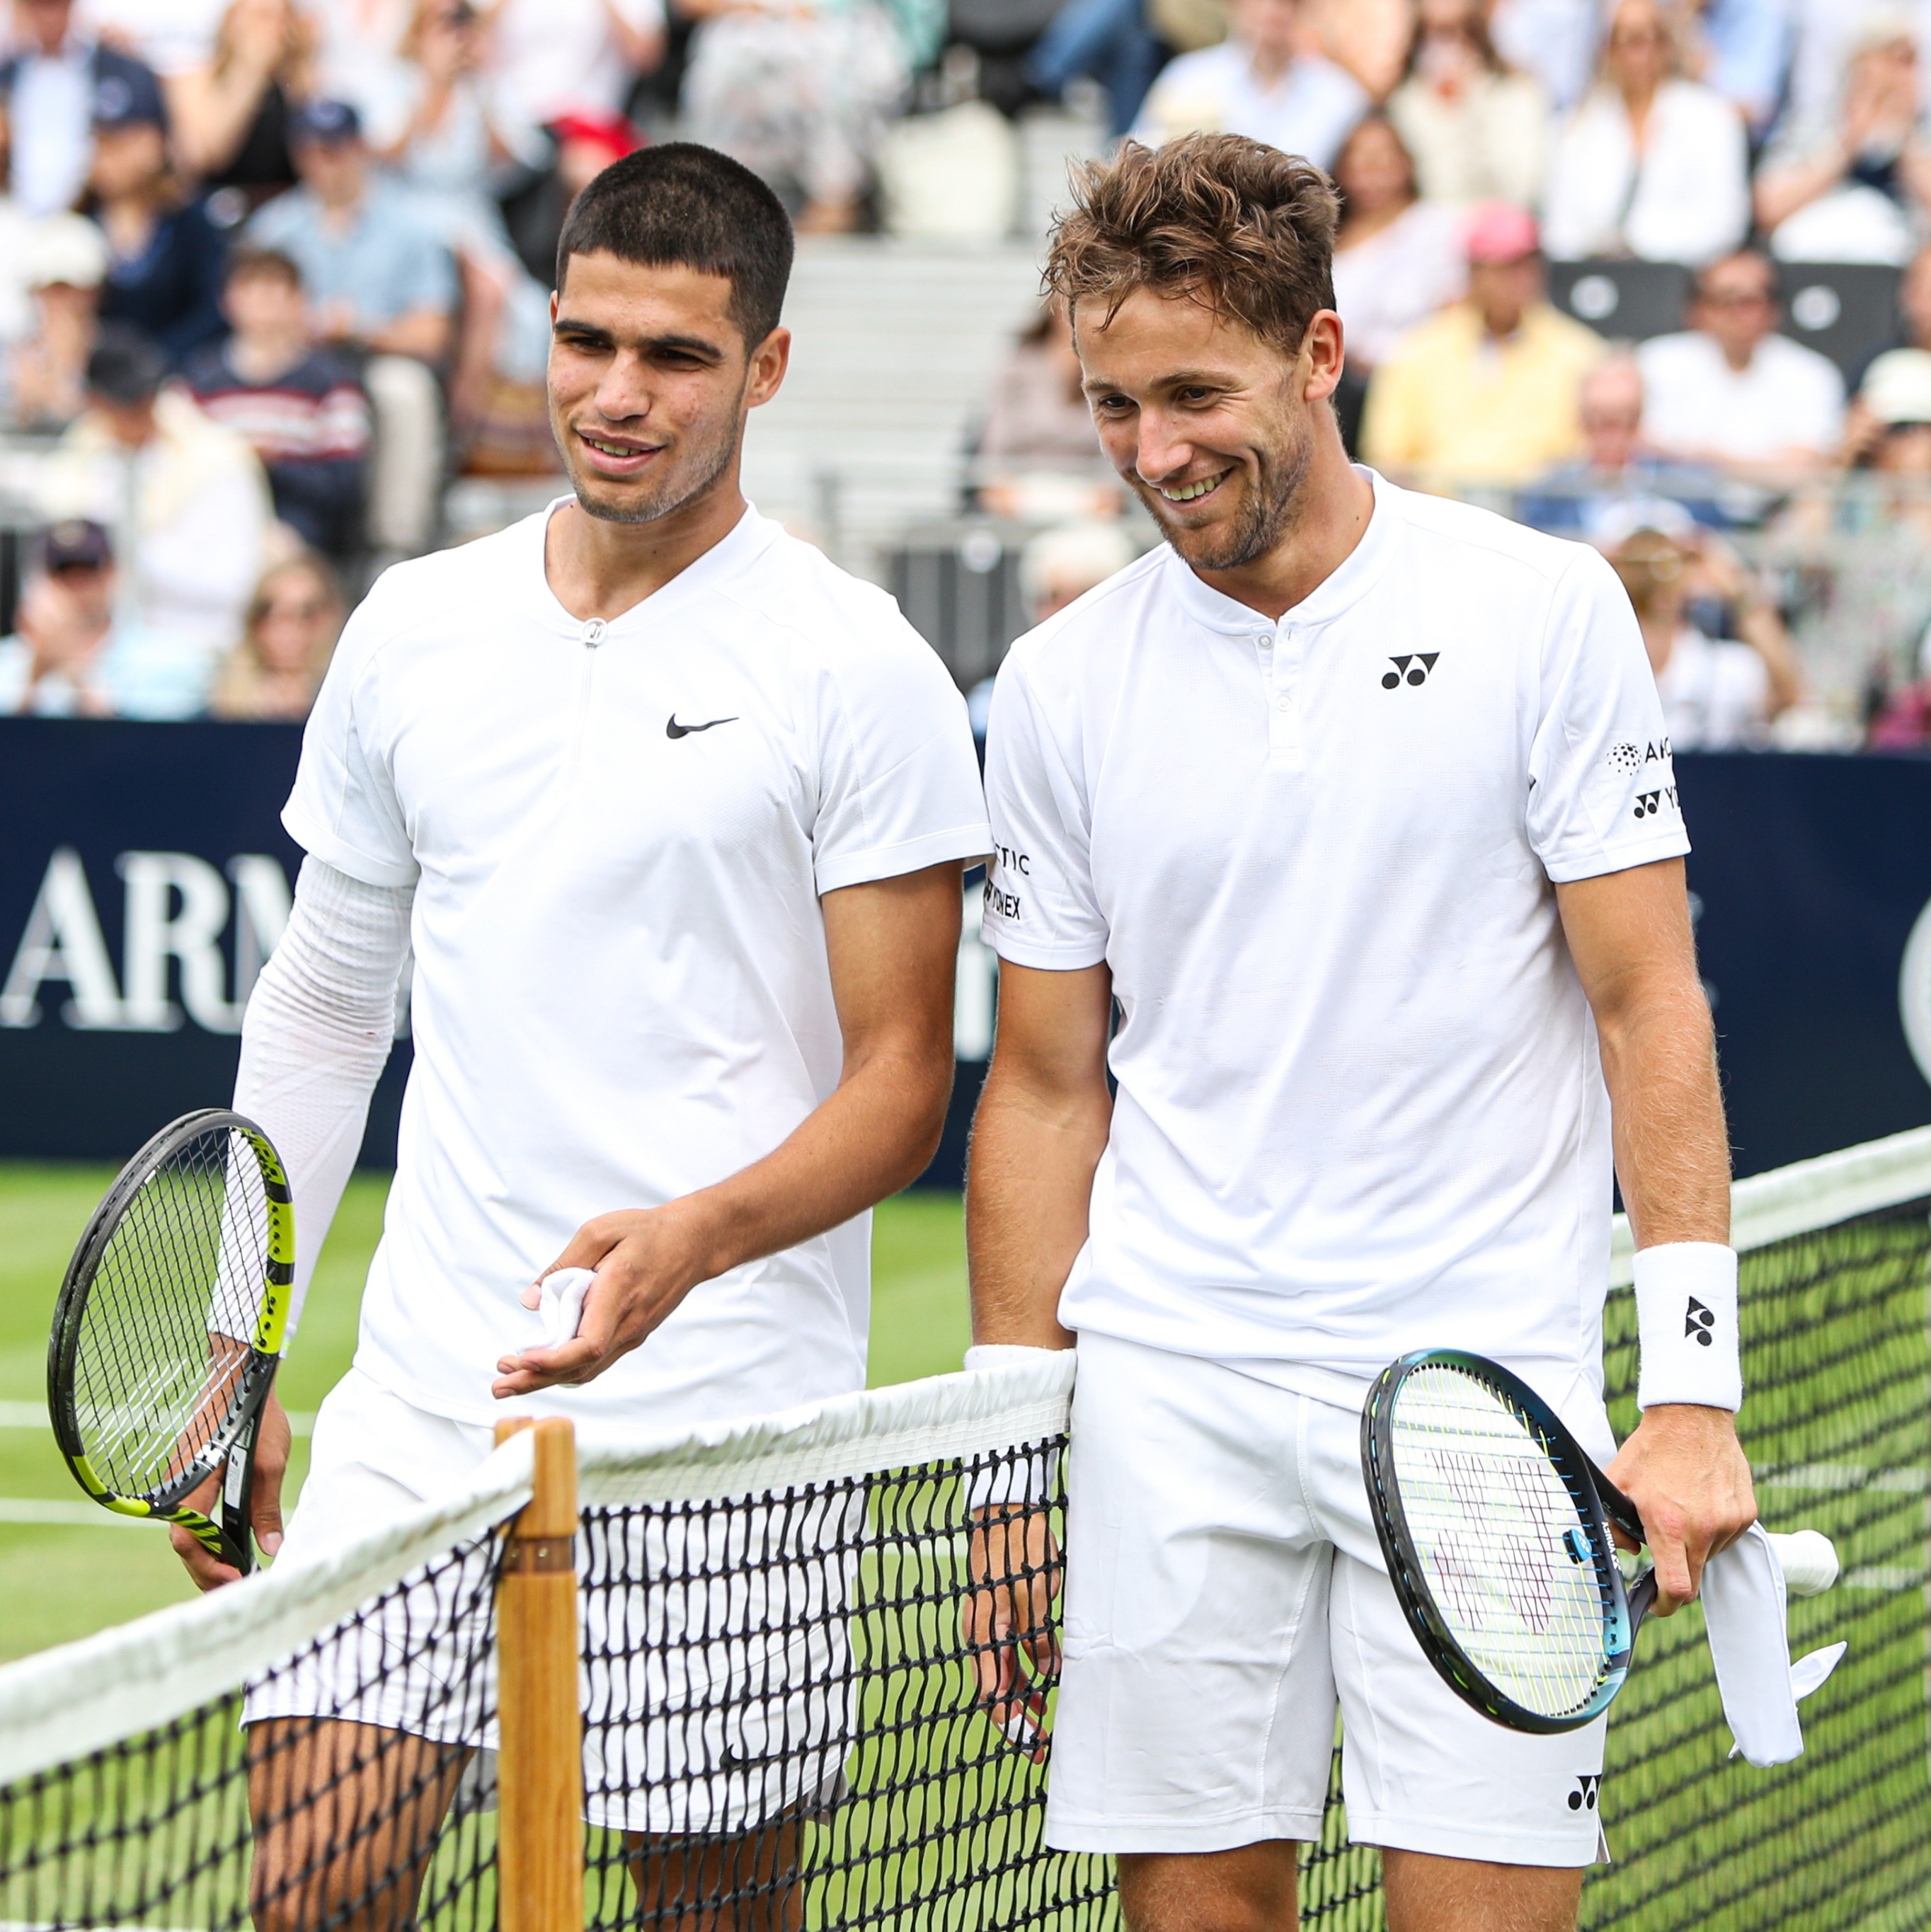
column 618, row 834
column 1360, row 1109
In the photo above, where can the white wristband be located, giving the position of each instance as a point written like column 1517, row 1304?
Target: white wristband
column 1033, row 1479
column 1686, row 1326
column 1003, row 1355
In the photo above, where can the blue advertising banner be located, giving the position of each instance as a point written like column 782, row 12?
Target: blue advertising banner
column 145, row 876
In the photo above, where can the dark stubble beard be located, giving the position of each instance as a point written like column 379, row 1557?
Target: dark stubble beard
column 1270, row 505
column 711, row 459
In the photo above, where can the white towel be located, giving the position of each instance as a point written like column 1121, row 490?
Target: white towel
column 1744, row 1612
column 562, row 1304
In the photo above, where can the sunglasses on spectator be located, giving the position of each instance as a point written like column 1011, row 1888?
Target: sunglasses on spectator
column 1736, row 298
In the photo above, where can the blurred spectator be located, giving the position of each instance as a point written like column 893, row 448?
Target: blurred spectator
column 1038, row 410
column 382, row 285
column 1742, row 48
column 1368, row 37
column 65, row 260
column 1824, row 34
column 1730, row 390
column 1485, row 393
column 1649, row 164
column 586, row 144
column 1261, row 81
column 1618, row 465
column 16, row 231
column 294, row 619
column 299, row 408
column 1554, row 39
column 164, row 265
column 1477, row 132
column 49, row 90
column 802, row 95
column 1859, row 189
column 73, row 656
column 1397, row 258
column 231, row 112
column 358, row 49
column 146, row 462
column 551, row 57
column 1109, row 41
column 1719, row 693
column 1057, row 567
column 172, row 36
column 446, row 140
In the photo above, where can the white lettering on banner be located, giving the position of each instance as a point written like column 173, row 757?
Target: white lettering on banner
column 156, row 930
column 1914, row 991
column 975, row 986
column 175, row 908
column 62, row 941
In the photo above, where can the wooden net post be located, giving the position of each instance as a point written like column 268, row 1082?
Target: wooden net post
column 540, row 1766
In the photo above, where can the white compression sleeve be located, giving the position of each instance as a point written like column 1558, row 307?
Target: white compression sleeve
column 316, row 1037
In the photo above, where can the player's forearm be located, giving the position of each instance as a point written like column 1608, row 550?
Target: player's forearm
column 875, row 1135
column 315, row 1039
column 1672, row 1151
column 1027, row 1196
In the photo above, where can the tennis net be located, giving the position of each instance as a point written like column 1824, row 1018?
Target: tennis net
column 765, row 1714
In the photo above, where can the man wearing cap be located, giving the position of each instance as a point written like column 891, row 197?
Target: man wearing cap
column 49, row 89
column 382, row 285
column 1486, row 392
column 192, row 493
column 73, row 657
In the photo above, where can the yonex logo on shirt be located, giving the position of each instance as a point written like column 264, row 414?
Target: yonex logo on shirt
column 1585, row 1791
column 1648, row 803
column 1699, row 1322
column 1414, row 667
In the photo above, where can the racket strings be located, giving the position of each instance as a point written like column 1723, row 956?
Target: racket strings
column 164, row 1337
column 1503, row 1545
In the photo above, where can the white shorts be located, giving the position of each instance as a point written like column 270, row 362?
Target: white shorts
column 1223, row 1584
column 716, row 1683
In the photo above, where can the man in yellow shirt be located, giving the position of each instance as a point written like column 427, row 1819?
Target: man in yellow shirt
column 1486, row 393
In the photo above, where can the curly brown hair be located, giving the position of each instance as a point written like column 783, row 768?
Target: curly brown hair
column 1228, row 222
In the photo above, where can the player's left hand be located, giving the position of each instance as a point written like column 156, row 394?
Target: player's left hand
column 1687, row 1473
column 646, row 1260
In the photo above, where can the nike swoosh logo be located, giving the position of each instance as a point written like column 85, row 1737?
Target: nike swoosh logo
column 673, row 729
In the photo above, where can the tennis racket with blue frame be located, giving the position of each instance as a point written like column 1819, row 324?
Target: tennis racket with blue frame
column 169, row 1328
column 1496, row 1528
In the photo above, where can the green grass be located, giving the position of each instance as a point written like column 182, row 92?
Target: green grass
column 57, row 1582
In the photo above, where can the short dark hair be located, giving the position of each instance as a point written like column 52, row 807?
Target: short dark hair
column 684, row 205
column 124, row 367
column 1233, row 223
column 248, row 258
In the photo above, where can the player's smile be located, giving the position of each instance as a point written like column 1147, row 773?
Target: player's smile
column 616, row 456
column 1193, row 491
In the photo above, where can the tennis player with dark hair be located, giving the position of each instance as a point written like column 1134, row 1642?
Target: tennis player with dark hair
column 1355, row 806
column 672, row 813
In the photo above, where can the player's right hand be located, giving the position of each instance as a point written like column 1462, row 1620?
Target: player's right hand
column 272, row 1438
column 1006, row 1620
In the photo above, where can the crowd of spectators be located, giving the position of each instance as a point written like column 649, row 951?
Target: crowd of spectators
column 281, row 267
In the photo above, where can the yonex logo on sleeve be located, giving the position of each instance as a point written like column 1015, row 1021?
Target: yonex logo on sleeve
column 1649, row 803
column 1414, row 668
column 1698, row 1321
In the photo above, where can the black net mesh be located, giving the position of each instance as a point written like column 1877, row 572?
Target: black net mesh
column 783, row 1729
column 342, row 1788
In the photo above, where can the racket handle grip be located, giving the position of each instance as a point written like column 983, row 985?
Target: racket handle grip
column 1809, row 1560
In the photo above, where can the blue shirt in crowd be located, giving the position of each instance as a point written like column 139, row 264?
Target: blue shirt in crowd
column 387, row 262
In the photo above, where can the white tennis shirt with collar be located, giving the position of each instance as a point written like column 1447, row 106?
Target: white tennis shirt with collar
column 618, row 834
column 1360, row 1109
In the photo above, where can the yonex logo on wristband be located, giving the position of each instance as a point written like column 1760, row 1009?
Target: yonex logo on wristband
column 1698, row 1321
